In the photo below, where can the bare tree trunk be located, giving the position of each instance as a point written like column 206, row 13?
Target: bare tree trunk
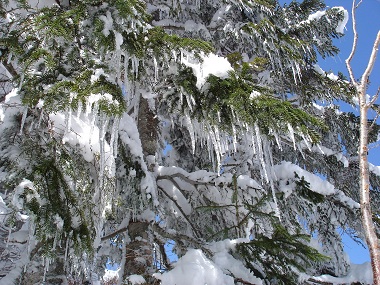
column 365, row 203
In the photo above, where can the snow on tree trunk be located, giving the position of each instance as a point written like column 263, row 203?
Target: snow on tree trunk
column 139, row 251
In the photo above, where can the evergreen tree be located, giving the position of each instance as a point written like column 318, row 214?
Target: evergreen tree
column 97, row 91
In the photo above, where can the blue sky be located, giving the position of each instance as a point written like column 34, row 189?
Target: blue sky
column 368, row 24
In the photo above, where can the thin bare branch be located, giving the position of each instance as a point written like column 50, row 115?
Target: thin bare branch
column 374, row 98
column 354, row 45
column 377, row 111
column 368, row 70
column 360, row 2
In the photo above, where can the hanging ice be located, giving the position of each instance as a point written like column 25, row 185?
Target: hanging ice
column 291, row 133
column 260, row 152
column 23, row 119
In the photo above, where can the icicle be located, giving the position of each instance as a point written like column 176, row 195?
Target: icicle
column 276, row 208
column 180, row 98
column 40, row 118
column 210, row 147
column 215, row 138
column 291, row 133
column 94, row 117
column 114, row 136
column 155, row 69
column 189, row 100
column 300, row 150
column 306, row 141
column 294, row 75
column 55, row 240
column 79, row 110
column 190, row 128
column 113, row 142
column 260, row 152
column 104, row 123
column 68, row 119
column 23, row 119
column 277, row 140
column 126, row 66
column 136, row 66
column 234, row 141
column 268, row 155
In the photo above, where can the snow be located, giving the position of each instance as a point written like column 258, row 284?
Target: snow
column 224, row 260
column 285, row 172
column 342, row 24
column 318, row 69
column 136, row 279
column 358, row 273
column 118, row 40
column 194, row 268
column 110, row 274
column 332, row 76
column 212, row 64
column 108, row 23
column 316, row 16
column 17, row 202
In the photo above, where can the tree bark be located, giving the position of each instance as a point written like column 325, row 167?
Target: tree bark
column 139, row 251
column 365, row 202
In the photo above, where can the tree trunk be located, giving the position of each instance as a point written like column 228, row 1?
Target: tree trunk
column 365, row 205
column 139, row 252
